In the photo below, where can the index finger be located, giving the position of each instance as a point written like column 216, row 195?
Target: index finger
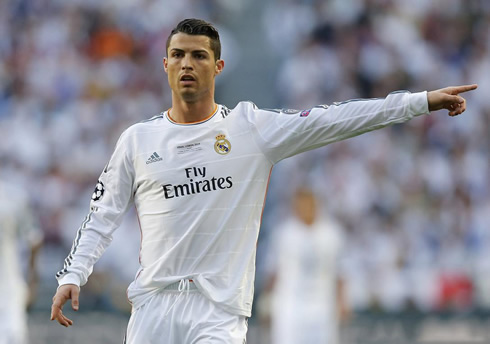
column 57, row 306
column 464, row 88
column 57, row 313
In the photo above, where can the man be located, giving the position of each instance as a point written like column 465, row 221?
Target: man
column 304, row 282
column 197, row 175
column 18, row 234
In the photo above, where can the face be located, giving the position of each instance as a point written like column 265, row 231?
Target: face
column 191, row 67
column 305, row 207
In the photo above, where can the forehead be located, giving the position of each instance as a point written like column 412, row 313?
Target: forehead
column 184, row 41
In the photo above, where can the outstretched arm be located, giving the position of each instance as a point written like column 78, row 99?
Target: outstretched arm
column 63, row 294
column 448, row 98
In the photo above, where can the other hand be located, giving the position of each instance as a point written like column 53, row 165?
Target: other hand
column 63, row 294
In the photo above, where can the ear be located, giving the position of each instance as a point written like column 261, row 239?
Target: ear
column 220, row 64
column 165, row 64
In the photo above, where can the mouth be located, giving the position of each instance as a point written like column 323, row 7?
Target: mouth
column 187, row 79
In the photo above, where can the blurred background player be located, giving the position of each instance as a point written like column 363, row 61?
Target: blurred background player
column 20, row 241
column 307, row 292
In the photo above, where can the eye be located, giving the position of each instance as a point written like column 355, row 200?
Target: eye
column 177, row 54
column 200, row 56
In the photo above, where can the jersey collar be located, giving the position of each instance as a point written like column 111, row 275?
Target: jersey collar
column 169, row 118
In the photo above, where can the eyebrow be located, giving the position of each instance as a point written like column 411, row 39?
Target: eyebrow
column 193, row 51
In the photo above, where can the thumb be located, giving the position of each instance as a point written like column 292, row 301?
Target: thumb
column 74, row 298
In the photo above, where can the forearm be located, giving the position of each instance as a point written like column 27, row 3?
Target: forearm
column 342, row 305
column 355, row 117
column 87, row 248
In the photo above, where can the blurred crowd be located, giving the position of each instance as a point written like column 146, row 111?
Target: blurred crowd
column 413, row 199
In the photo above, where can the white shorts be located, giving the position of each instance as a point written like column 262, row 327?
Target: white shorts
column 183, row 317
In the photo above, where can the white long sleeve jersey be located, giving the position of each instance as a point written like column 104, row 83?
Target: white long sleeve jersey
column 199, row 190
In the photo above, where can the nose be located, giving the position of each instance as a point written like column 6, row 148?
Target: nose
column 187, row 63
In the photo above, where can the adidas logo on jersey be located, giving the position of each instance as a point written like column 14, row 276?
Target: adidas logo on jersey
column 153, row 158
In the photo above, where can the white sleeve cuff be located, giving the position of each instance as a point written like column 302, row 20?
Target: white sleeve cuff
column 70, row 278
column 419, row 104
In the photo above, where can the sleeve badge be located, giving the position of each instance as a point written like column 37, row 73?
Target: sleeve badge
column 99, row 191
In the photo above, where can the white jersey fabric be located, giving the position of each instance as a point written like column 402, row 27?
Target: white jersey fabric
column 304, row 299
column 199, row 190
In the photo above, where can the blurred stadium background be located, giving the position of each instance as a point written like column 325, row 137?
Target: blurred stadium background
column 414, row 199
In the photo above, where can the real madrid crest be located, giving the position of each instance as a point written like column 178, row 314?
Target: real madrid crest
column 222, row 145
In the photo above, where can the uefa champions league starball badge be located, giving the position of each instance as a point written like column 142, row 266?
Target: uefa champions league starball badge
column 99, row 191
column 222, row 145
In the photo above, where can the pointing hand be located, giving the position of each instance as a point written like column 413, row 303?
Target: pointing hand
column 449, row 98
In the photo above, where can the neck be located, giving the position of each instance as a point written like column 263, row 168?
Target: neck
column 189, row 112
column 307, row 219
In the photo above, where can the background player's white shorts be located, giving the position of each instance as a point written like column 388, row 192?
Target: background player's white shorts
column 184, row 317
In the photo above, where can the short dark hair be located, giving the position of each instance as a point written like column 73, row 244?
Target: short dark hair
column 194, row 26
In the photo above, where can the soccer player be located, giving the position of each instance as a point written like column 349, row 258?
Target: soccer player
column 18, row 232
column 306, row 288
column 197, row 175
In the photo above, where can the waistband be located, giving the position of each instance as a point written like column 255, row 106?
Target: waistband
column 182, row 285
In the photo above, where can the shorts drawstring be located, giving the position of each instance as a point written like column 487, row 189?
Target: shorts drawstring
column 184, row 287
